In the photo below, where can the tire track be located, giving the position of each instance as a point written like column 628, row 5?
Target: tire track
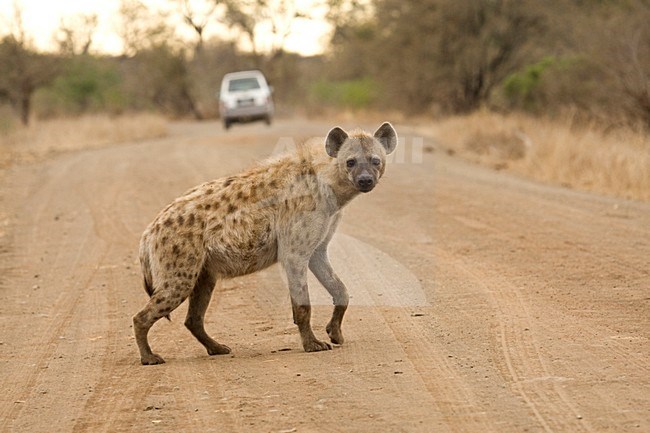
column 114, row 389
column 524, row 364
column 66, row 307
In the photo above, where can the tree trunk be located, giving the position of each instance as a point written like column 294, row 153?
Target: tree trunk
column 25, row 107
column 191, row 104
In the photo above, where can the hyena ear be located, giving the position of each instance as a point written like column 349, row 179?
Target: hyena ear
column 387, row 136
column 335, row 139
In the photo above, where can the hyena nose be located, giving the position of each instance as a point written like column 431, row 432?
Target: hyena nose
column 365, row 182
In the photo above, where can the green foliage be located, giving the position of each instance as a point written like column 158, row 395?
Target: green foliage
column 355, row 94
column 519, row 87
column 85, row 84
column 524, row 89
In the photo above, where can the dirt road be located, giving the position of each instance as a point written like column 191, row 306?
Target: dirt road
column 481, row 303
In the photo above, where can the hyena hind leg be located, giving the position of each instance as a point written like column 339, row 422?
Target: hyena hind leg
column 165, row 300
column 158, row 306
column 198, row 305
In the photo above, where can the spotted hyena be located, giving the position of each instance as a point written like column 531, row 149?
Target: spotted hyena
column 285, row 210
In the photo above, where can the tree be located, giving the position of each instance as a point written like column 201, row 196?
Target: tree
column 353, row 40
column 454, row 53
column 634, row 77
column 602, row 67
column 167, row 83
column 141, row 29
column 625, row 57
column 22, row 69
column 275, row 17
column 446, row 53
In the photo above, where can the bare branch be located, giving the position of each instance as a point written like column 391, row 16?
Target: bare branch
column 197, row 21
column 75, row 35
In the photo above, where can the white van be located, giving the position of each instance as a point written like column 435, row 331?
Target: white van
column 245, row 97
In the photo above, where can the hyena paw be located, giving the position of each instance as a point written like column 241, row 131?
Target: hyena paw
column 335, row 334
column 218, row 349
column 151, row 359
column 316, row 346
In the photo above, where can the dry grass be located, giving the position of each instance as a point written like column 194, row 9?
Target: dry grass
column 50, row 137
column 581, row 156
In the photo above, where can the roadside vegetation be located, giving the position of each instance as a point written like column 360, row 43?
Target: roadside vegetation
column 49, row 137
column 555, row 90
column 586, row 155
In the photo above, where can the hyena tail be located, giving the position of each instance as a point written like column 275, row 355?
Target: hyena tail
column 147, row 278
column 145, row 264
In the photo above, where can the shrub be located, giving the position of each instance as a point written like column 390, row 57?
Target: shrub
column 354, row 94
column 85, row 84
column 519, row 87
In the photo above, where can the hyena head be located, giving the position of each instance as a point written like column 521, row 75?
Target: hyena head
column 361, row 158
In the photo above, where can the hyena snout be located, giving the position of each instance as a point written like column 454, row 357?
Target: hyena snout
column 365, row 182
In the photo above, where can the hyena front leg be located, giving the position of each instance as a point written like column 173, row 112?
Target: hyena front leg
column 297, row 276
column 198, row 305
column 320, row 265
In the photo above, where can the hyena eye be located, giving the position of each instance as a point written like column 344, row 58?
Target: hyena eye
column 376, row 161
column 351, row 163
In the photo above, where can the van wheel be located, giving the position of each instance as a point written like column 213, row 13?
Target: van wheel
column 227, row 123
column 267, row 120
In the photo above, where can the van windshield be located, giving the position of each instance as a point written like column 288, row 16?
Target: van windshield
column 242, row 84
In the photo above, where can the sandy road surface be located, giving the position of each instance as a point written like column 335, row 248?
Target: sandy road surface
column 482, row 303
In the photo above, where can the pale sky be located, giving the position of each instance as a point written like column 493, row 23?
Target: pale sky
column 41, row 18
